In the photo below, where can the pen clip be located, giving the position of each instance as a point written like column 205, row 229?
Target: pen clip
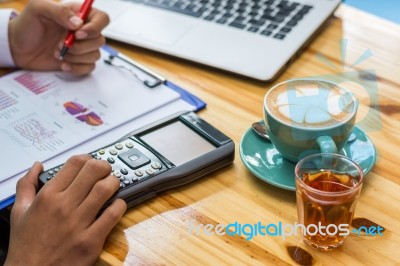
column 154, row 79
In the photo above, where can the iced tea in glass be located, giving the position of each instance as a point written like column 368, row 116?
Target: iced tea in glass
column 327, row 189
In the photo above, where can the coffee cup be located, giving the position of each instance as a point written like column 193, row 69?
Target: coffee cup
column 308, row 116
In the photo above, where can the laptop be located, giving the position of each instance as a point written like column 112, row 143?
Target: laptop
column 253, row 38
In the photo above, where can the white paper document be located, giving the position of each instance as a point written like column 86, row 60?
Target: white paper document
column 49, row 116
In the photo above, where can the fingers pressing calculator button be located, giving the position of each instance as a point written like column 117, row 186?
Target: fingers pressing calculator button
column 117, row 174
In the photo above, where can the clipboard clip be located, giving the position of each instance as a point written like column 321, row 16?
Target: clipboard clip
column 150, row 79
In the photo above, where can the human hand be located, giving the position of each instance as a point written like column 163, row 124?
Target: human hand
column 37, row 35
column 60, row 225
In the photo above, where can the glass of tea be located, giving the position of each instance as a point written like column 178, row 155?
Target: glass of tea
column 327, row 188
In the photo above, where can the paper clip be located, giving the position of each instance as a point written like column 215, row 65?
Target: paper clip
column 152, row 80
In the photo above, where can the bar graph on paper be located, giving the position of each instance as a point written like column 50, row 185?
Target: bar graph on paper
column 6, row 100
column 35, row 82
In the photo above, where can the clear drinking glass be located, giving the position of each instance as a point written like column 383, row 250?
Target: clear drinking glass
column 327, row 188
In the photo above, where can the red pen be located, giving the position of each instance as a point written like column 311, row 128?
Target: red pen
column 69, row 40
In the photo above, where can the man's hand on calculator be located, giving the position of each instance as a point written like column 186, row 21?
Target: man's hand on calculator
column 60, row 223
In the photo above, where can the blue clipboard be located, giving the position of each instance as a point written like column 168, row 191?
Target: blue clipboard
column 152, row 79
column 7, row 202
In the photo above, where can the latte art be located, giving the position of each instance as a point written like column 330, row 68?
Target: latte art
column 311, row 104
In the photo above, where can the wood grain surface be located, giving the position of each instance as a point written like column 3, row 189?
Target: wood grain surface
column 156, row 231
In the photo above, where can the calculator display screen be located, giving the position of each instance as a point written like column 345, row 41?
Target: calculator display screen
column 178, row 143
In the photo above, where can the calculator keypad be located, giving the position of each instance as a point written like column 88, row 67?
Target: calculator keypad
column 130, row 161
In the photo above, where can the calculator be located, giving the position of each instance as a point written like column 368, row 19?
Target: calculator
column 165, row 154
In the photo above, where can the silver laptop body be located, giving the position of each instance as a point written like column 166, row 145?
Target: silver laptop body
column 253, row 38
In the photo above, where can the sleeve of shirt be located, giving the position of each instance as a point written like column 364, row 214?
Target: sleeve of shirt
column 6, row 59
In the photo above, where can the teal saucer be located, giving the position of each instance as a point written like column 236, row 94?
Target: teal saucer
column 266, row 163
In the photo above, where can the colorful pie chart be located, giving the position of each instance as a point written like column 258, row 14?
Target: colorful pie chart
column 90, row 118
column 74, row 108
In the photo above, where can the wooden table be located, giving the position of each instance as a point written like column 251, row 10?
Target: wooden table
column 156, row 232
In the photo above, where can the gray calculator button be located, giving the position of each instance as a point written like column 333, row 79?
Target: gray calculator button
column 122, row 178
column 51, row 172
column 97, row 158
column 134, row 158
column 126, row 182
column 48, row 178
column 124, row 171
column 94, row 154
column 155, row 165
column 149, row 171
column 110, row 160
column 56, row 169
column 117, row 174
column 121, row 185
column 138, row 173
column 118, row 146
column 113, row 152
column 129, row 145
column 102, row 152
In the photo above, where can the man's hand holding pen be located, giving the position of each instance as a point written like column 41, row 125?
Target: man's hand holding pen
column 46, row 24
column 69, row 40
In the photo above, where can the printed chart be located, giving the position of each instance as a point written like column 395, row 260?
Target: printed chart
column 34, row 132
column 6, row 100
column 34, row 82
column 83, row 114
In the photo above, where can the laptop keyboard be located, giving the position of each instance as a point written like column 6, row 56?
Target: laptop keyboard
column 274, row 18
